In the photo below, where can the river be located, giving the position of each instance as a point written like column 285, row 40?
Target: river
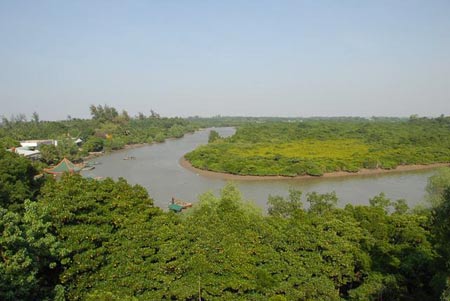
column 157, row 168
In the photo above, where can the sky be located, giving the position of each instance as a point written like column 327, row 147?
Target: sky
column 234, row 58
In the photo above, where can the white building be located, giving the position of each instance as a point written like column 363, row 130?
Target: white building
column 36, row 143
column 26, row 152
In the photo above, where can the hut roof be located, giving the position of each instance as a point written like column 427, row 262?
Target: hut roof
column 64, row 166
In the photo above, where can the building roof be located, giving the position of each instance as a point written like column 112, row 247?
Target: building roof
column 64, row 166
column 37, row 140
column 36, row 143
column 25, row 152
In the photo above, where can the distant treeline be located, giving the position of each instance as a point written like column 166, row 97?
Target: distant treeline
column 315, row 147
column 82, row 239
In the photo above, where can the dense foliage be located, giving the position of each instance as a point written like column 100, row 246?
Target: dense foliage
column 316, row 147
column 81, row 239
column 29, row 252
column 441, row 231
column 16, row 180
column 98, row 223
column 104, row 240
column 29, row 255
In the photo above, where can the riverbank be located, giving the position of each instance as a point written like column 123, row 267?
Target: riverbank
column 362, row 172
column 125, row 148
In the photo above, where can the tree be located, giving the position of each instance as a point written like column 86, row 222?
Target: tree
column 141, row 116
column 380, row 201
column 321, row 203
column 400, row 206
column 49, row 154
column 8, row 142
column 176, row 131
column 5, row 122
column 213, row 136
column 94, row 144
column 100, row 224
column 401, row 257
column 153, row 114
column 441, row 228
column 125, row 115
column 282, row 207
column 160, row 137
column 218, row 245
column 103, row 113
column 29, row 254
column 94, row 113
column 16, row 180
column 20, row 118
column 436, row 186
column 35, row 117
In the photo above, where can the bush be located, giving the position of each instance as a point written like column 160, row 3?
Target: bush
column 94, row 144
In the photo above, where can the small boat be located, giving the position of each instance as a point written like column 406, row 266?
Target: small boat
column 91, row 164
column 129, row 158
column 88, row 167
column 95, row 178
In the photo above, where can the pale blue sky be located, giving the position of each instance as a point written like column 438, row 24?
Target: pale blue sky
column 252, row 58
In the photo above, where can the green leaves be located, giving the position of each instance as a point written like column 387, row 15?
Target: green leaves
column 436, row 186
column 28, row 251
column 223, row 248
column 16, row 180
column 321, row 203
column 213, row 136
column 281, row 207
column 400, row 251
column 104, row 240
column 95, row 221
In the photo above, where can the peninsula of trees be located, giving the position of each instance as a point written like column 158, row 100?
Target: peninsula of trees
column 316, row 147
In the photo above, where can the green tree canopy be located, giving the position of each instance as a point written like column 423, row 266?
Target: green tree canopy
column 16, row 180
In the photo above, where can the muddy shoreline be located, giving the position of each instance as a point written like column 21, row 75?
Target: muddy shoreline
column 225, row 176
column 94, row 155
column 100, row 154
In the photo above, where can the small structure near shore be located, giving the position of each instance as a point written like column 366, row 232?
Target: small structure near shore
column 90, row 165
column 178, row 205
column 64, row 166
column 175, row 208
column 181, row 203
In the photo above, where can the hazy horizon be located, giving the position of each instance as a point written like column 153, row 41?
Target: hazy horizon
column 254, row 58
column 147, row 114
